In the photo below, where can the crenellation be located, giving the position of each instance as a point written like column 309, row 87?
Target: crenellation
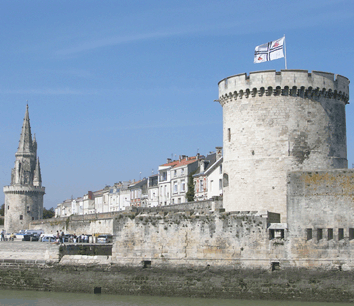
column 286, row 79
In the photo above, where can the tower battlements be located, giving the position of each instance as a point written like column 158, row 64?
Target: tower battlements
column 23, row 189
column 299, row 83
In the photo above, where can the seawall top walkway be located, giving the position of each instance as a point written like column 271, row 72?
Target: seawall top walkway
column 28, row 251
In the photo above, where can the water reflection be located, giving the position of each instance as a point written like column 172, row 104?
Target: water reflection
column 34, row 298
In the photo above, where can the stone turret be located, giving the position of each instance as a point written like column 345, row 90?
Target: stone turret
column 275, row 122
column 24, row 197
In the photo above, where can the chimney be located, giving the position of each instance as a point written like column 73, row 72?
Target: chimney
column 169, row 160
column 202, row 166
column 218, row 152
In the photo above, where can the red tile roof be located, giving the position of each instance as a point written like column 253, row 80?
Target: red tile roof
column 183, row 162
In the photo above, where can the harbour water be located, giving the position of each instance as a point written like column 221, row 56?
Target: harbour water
column 35, row 298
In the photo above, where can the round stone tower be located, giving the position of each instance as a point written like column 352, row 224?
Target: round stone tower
column 24, row 197
column 275, row 122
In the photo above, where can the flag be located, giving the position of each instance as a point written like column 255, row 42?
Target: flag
column 270, row 51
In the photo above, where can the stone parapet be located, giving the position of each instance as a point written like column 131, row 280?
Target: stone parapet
column 23, row 189
column 284, row 83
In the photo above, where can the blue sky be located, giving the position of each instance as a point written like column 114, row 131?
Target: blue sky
column 116, row 87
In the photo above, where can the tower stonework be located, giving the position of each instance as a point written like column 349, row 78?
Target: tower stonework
column 275, row 122
column 24, row 196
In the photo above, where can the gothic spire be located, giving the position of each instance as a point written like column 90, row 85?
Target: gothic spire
column 37, row 179
column 25, row 144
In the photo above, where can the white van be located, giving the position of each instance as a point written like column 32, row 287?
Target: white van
column 105, row 238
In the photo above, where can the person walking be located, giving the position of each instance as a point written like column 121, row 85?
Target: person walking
column 3, row 235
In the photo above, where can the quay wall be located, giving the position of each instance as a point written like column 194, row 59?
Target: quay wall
column 208, row 282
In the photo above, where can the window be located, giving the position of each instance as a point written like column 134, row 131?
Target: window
column 330, row 233
column 309, row 233
column 220, row 169
column 179, row 200
column 351, row 233
column 276, row 233
column 211, row 185
column 182, row 171
column 183, row 186
column 319, row 234
column 340, row 234
column 173, row 201
column 165, row 190
column 275, row 266
column 164, row 176
column 220, row 184
column 175, row 188
column 21, row 217
column 229, row 134
column 175, row 173
column 201, row 185
column 225, row 180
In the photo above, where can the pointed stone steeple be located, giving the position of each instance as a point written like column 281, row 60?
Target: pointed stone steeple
column 25, row 145
column 37, row 179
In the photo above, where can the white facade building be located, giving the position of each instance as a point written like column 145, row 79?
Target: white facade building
column 119, row 196
column 179, row 178
column 138, row 193
column 208, row 181
column 153, row 191
column 165, row 182
column 63, row 209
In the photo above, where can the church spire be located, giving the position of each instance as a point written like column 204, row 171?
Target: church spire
column 25, row 144
column 37, row 179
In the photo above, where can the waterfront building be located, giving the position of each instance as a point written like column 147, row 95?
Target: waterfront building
column 153, row 191
column 119, row 196
column 179, row 177
column 208, row 180
column 164, row 172
column 138, row 193
column 65, row 209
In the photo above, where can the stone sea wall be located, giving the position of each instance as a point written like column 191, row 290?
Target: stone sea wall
column 207, row 282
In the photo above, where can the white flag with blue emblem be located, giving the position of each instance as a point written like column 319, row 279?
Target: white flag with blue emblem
column 269, row 51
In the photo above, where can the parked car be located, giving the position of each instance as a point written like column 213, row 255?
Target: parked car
column 30, row 237
column 48, row 238
column 105, row 239
column 19, row 235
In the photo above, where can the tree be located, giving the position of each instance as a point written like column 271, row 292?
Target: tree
column 190, row 192
column 2, row 210
column 48, row 213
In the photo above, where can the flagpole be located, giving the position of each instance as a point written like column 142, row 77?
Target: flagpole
column 286, row 66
